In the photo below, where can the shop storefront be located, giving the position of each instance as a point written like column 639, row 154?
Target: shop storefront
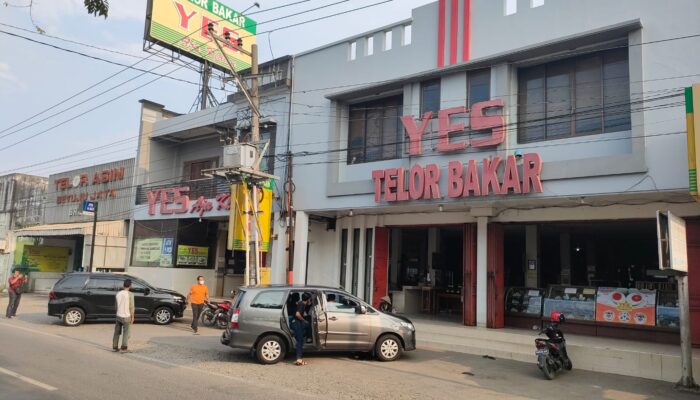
column 488, row 169
column 63, row 242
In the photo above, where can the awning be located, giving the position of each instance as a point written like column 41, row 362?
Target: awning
column 104, row 228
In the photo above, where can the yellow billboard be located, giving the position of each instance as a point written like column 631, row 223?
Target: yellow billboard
column 182, row 25
column 237, row 218
column 46, row 258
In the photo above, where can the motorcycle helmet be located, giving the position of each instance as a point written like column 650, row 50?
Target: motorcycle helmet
column 556, row 316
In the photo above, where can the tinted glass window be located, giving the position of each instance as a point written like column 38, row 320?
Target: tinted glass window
column 102, row 284
column 269, row 299
column 479, row 86
column 375, row 130
column 136, row 287
column 73, row 282
column 430, row 97
column 339, row 302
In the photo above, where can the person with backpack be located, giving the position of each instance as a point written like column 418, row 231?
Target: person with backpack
column 14, row 289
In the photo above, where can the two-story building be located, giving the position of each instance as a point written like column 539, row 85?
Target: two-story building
column 489, row 161
column 181, row 214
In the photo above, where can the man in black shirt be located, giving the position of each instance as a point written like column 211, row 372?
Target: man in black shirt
column 300, row 326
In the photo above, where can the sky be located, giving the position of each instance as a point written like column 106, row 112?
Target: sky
column 92, row 103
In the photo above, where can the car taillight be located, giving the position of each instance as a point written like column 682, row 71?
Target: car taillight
column 540, row 345
column 234, row 319
column 52, row 295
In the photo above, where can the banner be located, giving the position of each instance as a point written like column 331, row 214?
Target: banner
column 626, row 306
column 192, row 255
column 182, row 25
column 47, row 259
column 237, row 219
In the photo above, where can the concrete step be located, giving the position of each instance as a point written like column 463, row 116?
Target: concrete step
column 615, row 356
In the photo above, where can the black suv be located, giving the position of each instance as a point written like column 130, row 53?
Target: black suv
column 77, row 297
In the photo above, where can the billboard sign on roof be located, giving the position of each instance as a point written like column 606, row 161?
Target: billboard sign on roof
column 182, row 26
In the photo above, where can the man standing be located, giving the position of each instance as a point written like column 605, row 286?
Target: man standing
column 14, row 289
column 125, row 317
column 300, row 326
column 199, row 293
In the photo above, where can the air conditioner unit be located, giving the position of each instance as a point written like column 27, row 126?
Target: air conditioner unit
column 241, row 155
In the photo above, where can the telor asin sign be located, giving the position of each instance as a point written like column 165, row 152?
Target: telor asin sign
column 497, row 176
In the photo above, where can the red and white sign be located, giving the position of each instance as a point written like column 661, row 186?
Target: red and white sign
column 177, row 201
column 84, row 180
column 463, row 179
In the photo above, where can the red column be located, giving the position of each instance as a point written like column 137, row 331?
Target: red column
column 469, row 287
column 693, row 241
column 381, row 265
column 495, row 290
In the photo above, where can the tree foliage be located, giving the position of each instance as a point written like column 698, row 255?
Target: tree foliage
column 97, row 7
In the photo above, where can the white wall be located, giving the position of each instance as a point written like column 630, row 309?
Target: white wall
column 324, row 255
column 178, row 279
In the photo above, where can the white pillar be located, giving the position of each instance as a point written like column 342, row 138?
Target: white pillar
column 278, row 252
column 301, row 240
column 481, row 268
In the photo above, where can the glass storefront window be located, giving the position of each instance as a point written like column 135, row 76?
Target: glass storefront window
column 185, row 243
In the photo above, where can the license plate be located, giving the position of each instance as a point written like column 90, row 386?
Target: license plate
column 542, row 351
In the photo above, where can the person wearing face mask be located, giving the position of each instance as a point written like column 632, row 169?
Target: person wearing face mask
column 198, row 295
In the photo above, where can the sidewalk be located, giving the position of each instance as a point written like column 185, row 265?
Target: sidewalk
column 624, row 357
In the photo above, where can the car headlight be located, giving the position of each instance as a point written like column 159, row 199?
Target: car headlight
column 405, row 325
column 178, row 299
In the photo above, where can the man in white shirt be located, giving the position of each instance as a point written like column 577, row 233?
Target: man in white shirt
column 125, row 317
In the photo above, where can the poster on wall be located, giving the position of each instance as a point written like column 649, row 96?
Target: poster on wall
column 237, row 241
column 626, row 306
column 46, row 258
column 166, row 253
column 148, row 250
column 192, row 255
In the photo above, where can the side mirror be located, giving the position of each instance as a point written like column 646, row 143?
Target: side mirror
column 361, row 310
column 146, row 291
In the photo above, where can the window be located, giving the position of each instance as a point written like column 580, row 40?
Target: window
column 73, row 282
column 192, row 170
column 511, row 7
column 479, row 86
column 340, row 302
column 577, row 96
column 388, row 38
column 374, row 130
column 136, row 286
column 353, row 50
column 430, row 97
column 370, row 45
column 269, row 299
column 343, row 256
column 102, row 284
column 407, row 34
column 536, row 3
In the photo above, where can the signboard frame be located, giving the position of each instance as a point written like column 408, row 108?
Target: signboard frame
column 672, row 242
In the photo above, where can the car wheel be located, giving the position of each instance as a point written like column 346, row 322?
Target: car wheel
column 163, row 316
column 270, row 350
column 73, row 316
column 388, row 348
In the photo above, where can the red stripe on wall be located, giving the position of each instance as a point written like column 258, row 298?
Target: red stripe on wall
column 441, row 34
column 467, row 31
column 454, row 26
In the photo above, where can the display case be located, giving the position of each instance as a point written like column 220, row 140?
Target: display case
column 667, row 311
column 575, row 302
column 524, row 301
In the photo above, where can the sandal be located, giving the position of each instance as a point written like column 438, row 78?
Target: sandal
column 300, row 363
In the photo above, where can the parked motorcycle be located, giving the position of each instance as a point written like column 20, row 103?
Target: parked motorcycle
column 216, row 313
column 551, row 352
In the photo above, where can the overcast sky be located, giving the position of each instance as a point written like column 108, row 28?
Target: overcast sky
column 34, row 77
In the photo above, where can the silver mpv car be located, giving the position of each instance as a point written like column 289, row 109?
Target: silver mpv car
column 261, row 315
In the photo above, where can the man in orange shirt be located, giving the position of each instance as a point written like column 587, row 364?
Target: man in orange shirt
column 199, row 293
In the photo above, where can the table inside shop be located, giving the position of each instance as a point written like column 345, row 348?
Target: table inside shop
column 453, row 301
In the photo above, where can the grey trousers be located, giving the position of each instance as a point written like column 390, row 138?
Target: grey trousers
column 121, row 328
column 13, row 304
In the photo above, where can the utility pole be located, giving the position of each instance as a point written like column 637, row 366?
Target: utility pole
column 252, row 95
column 288, row 188
column 206, row 73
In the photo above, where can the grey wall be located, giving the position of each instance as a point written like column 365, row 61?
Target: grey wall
column 651, row 157
column 116, row 208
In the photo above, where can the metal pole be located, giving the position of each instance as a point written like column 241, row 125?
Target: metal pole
column 255, row 97
column 94, row 233
column 252, row 257
column 687, row 381
column 247, row 234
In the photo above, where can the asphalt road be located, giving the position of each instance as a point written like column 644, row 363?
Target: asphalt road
column 168, row 362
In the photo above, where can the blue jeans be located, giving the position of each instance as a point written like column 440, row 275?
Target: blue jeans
column 299, row 333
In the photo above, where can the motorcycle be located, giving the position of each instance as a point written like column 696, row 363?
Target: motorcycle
column 216, row 313
column 551, row 352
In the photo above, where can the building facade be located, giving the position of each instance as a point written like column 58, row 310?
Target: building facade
column 496, row 160
column 63, row 243
column 181, row 214
column 21, row 205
